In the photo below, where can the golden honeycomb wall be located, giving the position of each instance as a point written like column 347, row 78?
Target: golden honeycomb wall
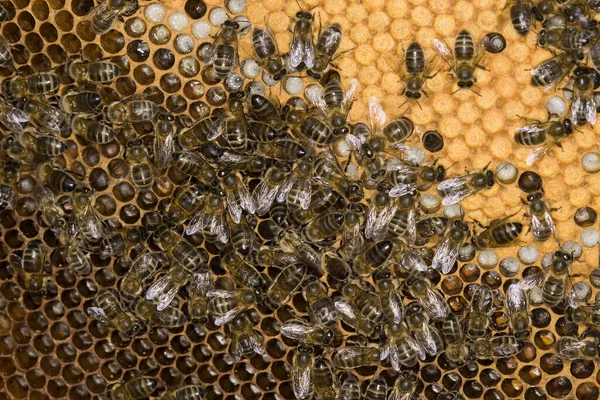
column 50, row 348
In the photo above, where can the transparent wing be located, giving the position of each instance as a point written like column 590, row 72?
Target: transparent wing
column 295, row 329
column 536, row 154
column 533, row 128
column 163, row 291
column 284, row 190
column 350, row 94
column 445, row 255
column 220, row 293
column 97, row 313
column 301, row 381
column 217, row 128
column 377, row 116
column 201, row 283
column 444, row 51
column 222, row 319
column 415, row 346
column 264, row 195
column 424, row 337
column 570, row 347
column 195, row 224
column 456, row 189
column 378, row 220
column 164, row 146
column 396, row 306
column 516, row 299
column 436, row 305
column 402, row 189
column 395, row 64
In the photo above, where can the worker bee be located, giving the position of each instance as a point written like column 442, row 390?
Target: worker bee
column 543, row 136
column 381, row 211
column 335, row 104
column 224, row 305
column 500, row 233
column 465, row 59
column 454, row 337
column 89, row 223
column 57, row 178
column 223, row 52
column 324, row 227
column 285, row 284
column 408, row 178
column 11, row 117
column 429, row 298
column 142, row 172
column 245, row 342
column 302, row 48
column 200, row 132
column 424, row 333
column 131, row 111
column 43, row 115
column 373, row 257
column 415, row 70
column 194, row 164
column 266, row 191
column 266, row 50
column 136, row 388
column 556, row 285
column 323, row 376
column 320, row 306
column 566, row 38
column 76, row 255
column 496, row 347
column 92, row 130
column 352, row 357
column 302, row 365
column 267, row 256
column 521, row 15
column 169, row 317
column 405, row 386
column 551, row 72
column 281, row 149
column 107, row 12
column 328, row 43
column 348, row 314
column 517, row 306
column 306, row 333
column 242, row 235
column 201, row 283
column 211, row 218
column 447, row 251
column 80, row 101
column 349, row 389
column 584, row 315
column 118, row 242
column 352, row 234
column 186, row 200
column 459, row 188
column 315, row 126
column 583, row 104
column 95, row 72
column 376, row 389
column 573, row 348
column 542, row 225
column 260, row 108
column 164, row 290
column 165, row 131
column 188, row 392
column 237, row 195
column 111, row 310
column 30, row 266
column 142, row 270
column 393, row 306
column 364, row 302
column 331, row 174
column 296, row 192
column 482, row 306
column 9, row 176
column 431, row 226
column 31, row 85
column 241, row 272
column 52, row 215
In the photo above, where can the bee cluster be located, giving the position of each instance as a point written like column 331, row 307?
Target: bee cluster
column 265, row 250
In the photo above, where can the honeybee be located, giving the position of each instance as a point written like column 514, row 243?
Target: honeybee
column 188, row 392
column 424, row 333
column 136, row 388
column 302, row 365
column 264, row 110
column 265, row 192
column 241, row 272
column 142, row 270
column 400, row 347
column 40, row 143
column 573, row 348
column 584, row 315
column 583, row 104
column 165, row 131
column 306, row 333
column 201, row 283
column 281, row 149
column 459, row 188
column 31, row 85
column 335, row 266
column 80, row 101
column 182, row 252
column 447, row 252
column 237, row 195
column 211, row 217
column 517, row 306
column 352, row 233
column 75, row 252
column 327, row 44
column 495, row 347
column 381, row 211
column 223, row 52
column 521, row 15
column 51, row 213
column 320, row 306
column 542, row 225
column 376, row 389
column 90, row 225
column 556, row 285
column 111, row 310
column 364, row 302
column 30, row 266
column 266, row 50
column 199, row 133
column 93, row 72
column 465, row 59
column 242, row 235
column 335, row 104
column 285, row 284
column 324, row 227
column 429, row 298
column 566, row 38
column 431, row 226
column 164, row 290
column 454, row 337
column 331, row 174
column 186, row 200
column 57, row 178
column 246, row 342
column 551, row 72
column 373, row 257
column 500, row 233
column 271, row 256
column 392, row 302
column 302, row 48
column 92, row 130
column 107, row 12
column 352, row 357
column 543, row 136
column 323, row 376
column 43, row 115
column 405, row 386
column 142, row 171
column 131, row 111
column 482, row 306
column 224, row 305
column 11, row 117
column 169, row 317
column 297, row 189
column 415, row 70
column 348, row 313
column 407, row 178
column 194, row 164
column 119, row 241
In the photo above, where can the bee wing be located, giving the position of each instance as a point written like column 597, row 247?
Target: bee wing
column 163, row 149
column 211, row 53
column 445, row 255
column 536, row 154
column 502, row 348
column 256, row 342
column 425, row 339
column 217, row 128
column 163, row 290
column 377, row 221
column 537, row 226
column 355, row 142
column 222, row 319
column 221, row 294
column 97, row 313
column 533, row 128
column 516, row 299
column 240, row 200
column 411, row 224
column 396, row 306
column 435, row 306
column 457, row 189
column 14, row 118
column 444, row 51
column 394, row 395
column 302, row 49
column 236, row 348
column 296, row 329
column 301, row 382
column 195, row 223
column 570, row 347
column 402, row 189
column 264, row 195
column 377, row 116
column 17, row 263
column 584, row 104
column 415, row 345
column 284, row 190
column 345, row 309
column 200, row 283
column 350, row 94
column 317, row 101
column 395, row 64
column 409, row 257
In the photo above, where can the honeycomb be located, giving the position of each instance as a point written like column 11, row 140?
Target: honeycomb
column 51, row 348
